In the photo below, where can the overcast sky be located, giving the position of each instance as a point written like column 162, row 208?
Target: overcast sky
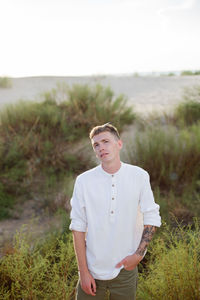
column 90, row 37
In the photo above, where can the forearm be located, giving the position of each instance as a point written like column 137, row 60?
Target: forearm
column 80, row 250
column 147, row 236
column 86, row 280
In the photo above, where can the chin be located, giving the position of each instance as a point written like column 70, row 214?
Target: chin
column 106, row 159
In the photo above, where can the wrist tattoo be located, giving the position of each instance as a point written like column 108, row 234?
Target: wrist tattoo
column 146, row 238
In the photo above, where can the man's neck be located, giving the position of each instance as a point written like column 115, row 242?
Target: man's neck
column 111, row 167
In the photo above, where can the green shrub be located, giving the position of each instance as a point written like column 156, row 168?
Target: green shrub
column 190, row 73
column 39, row 126
column 188, row 113
column 89, row 106
column 5, row 82
column 12, row 176
column 6, row 202
column 187, row 73
column 183, row 207
column 173, row 269
column 171, row 156
column 46, row 270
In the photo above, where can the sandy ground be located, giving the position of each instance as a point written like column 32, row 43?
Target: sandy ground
column 145, row 93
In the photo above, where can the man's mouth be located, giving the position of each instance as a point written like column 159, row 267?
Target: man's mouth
column 104, row 154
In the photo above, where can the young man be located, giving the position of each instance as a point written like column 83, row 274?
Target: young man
column 113, row 219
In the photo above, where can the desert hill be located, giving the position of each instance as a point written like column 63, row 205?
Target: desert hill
column 145, row 93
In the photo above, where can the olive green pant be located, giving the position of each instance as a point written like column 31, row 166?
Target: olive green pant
column 122, row 287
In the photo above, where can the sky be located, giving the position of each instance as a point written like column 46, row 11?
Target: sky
column 96, row 37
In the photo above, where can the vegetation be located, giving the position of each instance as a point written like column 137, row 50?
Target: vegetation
column 42, row 148
column 45, row 270
column 173, row 268
column 136, row 74
column 48, row 270
column 87, row 106
column 188, row 112
column 171, row 74
column 176, row 153
column 190, row 73
column 5, row 82
column 37, row 138
column 6, row 202
column 168, row 147
column 171, row 157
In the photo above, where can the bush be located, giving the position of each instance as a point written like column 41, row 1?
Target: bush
column 171, row 156
column 89, row 106
column 190, row 73
column 183, row 207
column 46, row 270
column 188, row 111
column 173, row 269
column 6, row 202
column 5, row 82
column 37, row 127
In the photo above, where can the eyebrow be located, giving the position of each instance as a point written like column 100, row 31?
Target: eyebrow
column 96, row 143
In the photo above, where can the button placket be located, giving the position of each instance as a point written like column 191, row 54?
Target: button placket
column 113, row 197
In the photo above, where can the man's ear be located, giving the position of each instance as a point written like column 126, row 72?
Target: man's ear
column 120, row 143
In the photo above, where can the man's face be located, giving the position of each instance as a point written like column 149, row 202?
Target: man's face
column 106, row 146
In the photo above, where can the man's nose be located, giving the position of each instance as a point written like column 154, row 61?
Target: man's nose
column 101, row 147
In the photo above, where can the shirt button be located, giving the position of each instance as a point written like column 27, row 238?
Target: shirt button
column 112, row 175
column 112, row 212
column 113, row 198
column 113, row 185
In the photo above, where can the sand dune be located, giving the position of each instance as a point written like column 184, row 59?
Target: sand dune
column 145, row 93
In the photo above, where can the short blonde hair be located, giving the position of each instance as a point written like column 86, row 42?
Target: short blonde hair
column 102, row 128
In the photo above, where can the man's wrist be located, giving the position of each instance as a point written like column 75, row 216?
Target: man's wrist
column 83, row 271
column 138, row 255
column 140, row 251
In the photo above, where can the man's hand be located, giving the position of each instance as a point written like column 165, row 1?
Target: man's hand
column 88, row 284
column 130, row 262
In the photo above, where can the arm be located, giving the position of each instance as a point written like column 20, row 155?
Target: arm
column 86, row 280
column 151, row 216
column 147, row 236
column 131, row 261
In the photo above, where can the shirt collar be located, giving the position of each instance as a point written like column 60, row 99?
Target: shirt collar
column 110, row 174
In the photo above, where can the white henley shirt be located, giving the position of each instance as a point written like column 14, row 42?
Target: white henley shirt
column 112, row 209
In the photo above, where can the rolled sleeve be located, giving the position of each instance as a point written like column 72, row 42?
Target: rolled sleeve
column 78, row 214
column 149, row 208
